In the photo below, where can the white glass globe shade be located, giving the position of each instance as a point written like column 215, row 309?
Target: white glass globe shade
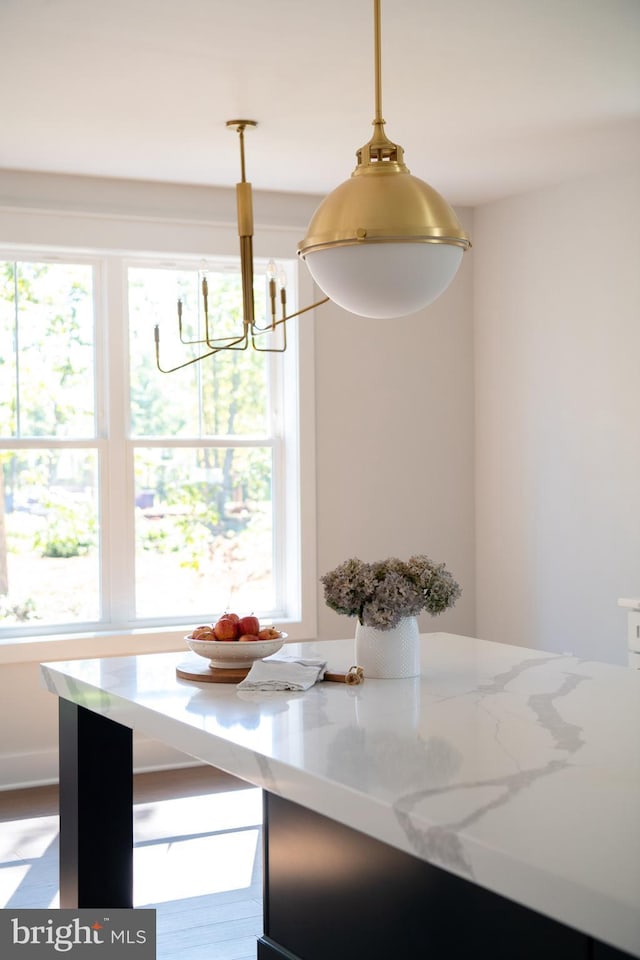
column 384, row 280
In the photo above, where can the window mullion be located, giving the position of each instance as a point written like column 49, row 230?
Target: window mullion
column 117, row 491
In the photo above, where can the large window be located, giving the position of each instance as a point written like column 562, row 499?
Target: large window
column 129, row 497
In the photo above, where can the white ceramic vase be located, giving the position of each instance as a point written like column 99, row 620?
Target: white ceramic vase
column 389, row 654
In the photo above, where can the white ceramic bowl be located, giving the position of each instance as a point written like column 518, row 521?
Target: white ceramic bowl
column 231, row 653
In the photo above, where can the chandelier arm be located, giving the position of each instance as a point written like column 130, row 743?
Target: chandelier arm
column 180, row 366
column 219, row 342
column 182, row 340
column 190, row 343
column 213, row 341
column 258, row 329
column 210, row 341
column 235, row 338
column 187, row 363
column 272, row 300
column 271, row 349
column 298, row 313
column 244, row 340
column 290, row 316
column 283, row 304
column 207, row 339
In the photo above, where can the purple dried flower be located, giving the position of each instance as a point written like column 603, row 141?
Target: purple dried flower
column 380, row 594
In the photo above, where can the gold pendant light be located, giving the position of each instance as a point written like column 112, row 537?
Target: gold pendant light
column 383, row 243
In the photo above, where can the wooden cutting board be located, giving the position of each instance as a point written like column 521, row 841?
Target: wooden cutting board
column 207, row 674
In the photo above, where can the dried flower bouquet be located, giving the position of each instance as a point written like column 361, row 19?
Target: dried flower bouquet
column 380, row 594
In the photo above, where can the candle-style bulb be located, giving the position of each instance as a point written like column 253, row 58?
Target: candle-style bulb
column 272, row 270
column 282, row 278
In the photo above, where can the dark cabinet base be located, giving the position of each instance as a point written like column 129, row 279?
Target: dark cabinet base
column 333, row 892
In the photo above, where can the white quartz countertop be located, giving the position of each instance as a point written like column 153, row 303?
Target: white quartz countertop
column 513, row 768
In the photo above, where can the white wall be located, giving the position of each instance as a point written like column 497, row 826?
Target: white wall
column 557, row 369
column 394, row 454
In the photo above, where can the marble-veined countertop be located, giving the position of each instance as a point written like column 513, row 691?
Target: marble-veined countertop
column 513, row 768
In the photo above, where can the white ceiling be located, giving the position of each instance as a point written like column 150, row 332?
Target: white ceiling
column 488, row 97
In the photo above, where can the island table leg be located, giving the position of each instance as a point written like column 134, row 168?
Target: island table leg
column 96, row 810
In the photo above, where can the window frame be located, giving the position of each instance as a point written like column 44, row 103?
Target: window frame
column 294, row 454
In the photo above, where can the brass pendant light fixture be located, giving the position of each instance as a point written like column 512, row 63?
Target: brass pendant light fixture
column 383, row 244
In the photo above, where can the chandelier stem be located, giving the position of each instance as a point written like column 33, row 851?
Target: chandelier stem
column 244, row 202
column 243, row 172
column 246, row 268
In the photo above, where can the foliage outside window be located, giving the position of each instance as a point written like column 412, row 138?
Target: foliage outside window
column 129, row 497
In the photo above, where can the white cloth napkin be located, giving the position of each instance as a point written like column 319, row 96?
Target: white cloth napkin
column 283, row 673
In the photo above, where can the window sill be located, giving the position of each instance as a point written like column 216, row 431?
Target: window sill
column 86, row 646
column 74, row 646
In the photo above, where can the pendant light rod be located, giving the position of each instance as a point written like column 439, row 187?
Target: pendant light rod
column 377, row 44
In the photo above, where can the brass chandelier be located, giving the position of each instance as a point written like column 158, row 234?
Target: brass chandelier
column 383, row 244
column 252, row 332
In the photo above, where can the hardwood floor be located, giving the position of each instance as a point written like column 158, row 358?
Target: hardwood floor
column 197, row 859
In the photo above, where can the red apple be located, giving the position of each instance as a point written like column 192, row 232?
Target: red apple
column 250, row 625
column 248, row 638
column 225, row 629
column 268, row 633
column 203, row 633
column 232, row 616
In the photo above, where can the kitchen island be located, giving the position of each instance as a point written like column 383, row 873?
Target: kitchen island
column 490, row 805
